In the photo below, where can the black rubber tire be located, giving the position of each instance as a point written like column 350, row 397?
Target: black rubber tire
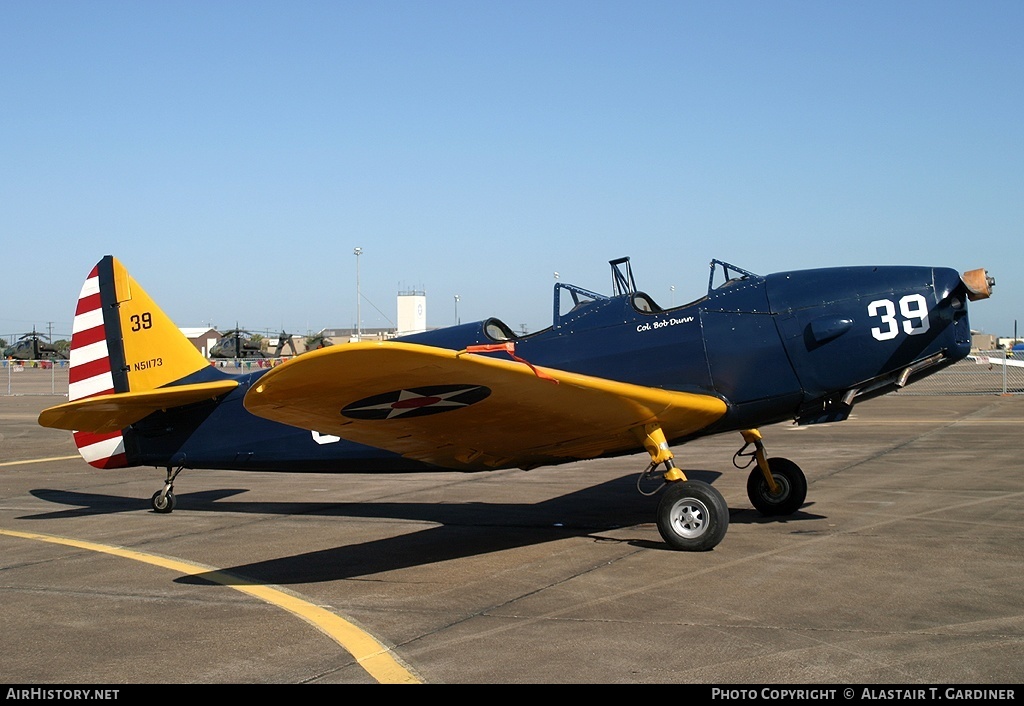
column 163, row 503
column 692, row 516
column 792, row 488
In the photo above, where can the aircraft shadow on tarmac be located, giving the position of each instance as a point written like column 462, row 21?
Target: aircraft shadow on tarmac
column 463, row 529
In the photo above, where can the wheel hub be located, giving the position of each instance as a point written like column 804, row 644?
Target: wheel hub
column 783, row 486
column 690, row 518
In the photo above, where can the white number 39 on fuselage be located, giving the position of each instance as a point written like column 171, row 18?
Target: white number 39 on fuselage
column 913, row 309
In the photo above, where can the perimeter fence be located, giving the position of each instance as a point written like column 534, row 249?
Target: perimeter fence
column 982, row 373
column 50, row 377
column 34, row 377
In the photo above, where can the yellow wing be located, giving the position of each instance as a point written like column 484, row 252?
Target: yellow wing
column 467, row 411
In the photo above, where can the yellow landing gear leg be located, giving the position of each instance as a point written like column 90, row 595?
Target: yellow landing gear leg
column 753, row 436
column 654, row 441
column 775, row 486
column 692, row 515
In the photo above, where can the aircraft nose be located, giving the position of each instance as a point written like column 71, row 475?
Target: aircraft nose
column 979, row 284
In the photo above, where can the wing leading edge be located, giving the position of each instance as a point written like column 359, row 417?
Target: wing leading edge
column 466, row 411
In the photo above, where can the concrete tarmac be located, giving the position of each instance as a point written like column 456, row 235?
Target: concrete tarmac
column 905, row 566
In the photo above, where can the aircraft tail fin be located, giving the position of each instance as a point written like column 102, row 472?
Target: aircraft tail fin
column 122, row 344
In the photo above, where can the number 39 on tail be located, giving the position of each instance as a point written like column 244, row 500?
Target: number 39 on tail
column 614, row 374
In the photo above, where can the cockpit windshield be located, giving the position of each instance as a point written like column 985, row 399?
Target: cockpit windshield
column 727, row 275
column 571, row 301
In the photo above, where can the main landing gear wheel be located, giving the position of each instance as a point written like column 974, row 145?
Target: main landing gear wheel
column 163, row 502
column 792, row 488
column 692, row 516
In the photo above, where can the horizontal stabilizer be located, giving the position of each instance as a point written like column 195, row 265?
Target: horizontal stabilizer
column 111, row 412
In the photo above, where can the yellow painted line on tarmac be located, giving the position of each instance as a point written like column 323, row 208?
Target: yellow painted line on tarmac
column 375, row 658
column 38, row 460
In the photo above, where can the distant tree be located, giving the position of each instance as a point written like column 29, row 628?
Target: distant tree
column 62, row 344
column 3, row 342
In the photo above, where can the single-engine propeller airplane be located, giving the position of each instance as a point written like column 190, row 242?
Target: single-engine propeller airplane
column 613, row 375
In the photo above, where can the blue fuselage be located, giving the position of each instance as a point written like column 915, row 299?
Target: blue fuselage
column 796, row 345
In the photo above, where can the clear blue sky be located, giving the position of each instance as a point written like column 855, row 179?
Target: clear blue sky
column 233, row 153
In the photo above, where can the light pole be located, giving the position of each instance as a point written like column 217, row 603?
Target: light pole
column 456, row 309
column 359, row 319
column 672, row 288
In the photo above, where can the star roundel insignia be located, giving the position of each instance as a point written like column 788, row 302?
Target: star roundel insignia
column 416, row 402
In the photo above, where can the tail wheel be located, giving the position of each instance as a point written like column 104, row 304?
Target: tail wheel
column 163, row 502
column 692, row 516
column 792, row 488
